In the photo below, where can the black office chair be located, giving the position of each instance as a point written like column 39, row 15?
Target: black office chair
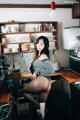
column 57, row 105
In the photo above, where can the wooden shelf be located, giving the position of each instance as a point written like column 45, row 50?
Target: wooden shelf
column 16, row 43
column 52, row 27
column 32, row 32
column 20, row 52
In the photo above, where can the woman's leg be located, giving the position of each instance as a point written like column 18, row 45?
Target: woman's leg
column 45, row 93
column 32, row 99
column 39, row 84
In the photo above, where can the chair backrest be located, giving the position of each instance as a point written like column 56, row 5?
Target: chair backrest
column 57, row 105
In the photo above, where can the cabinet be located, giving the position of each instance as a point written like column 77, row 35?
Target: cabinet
column 76, row 10
column 21, row 36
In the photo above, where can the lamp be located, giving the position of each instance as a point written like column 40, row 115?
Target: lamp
column 71, row 38
column 52, row 4
column 52, row 7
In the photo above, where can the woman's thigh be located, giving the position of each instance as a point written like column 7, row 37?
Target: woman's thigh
column 41, row 83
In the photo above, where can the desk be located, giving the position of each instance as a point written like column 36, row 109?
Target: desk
column 26, row 75
column 66, row 76
column 69, row 76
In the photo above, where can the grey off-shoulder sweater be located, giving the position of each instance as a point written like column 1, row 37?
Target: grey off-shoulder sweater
column 42, row 67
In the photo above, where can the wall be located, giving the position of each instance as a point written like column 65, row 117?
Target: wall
column 62, row 15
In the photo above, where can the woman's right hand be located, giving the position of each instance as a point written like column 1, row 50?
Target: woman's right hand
column 34, row 76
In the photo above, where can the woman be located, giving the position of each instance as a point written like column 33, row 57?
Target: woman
column 40, row 68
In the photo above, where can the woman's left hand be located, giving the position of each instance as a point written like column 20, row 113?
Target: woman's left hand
column 34, row 76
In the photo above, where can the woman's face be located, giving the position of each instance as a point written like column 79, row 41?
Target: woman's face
column 40, row 45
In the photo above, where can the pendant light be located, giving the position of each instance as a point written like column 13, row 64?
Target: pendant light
column 52, row 5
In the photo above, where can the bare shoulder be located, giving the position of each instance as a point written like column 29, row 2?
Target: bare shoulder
column 43, row 56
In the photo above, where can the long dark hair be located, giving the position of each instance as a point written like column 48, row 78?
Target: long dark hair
column 46, row 46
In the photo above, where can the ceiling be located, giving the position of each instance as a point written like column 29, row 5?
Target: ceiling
column 37, row 1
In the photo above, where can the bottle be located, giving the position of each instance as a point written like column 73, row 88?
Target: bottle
column 42, row 27
column 55, row 62
column 4, row 40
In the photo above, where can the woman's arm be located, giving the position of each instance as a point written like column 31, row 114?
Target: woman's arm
column 34, row 76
